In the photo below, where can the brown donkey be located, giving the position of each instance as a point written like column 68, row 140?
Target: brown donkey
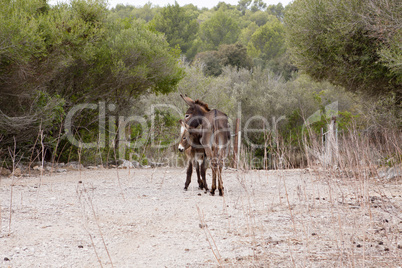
column 214, row 134
column 195, row 153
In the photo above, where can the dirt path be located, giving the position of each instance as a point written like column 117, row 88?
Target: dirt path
column 144, row 218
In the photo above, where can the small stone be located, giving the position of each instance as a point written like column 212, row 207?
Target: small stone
column 126, row 164
column 17, row 172
column 359, row 246
column 202, row 225
column 313, row 234
column 6, row 259
column 80, row 246
column 4, row 172
column 187, row 249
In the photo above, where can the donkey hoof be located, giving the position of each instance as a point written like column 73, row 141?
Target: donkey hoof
column 212, row 193
column 220, row 193
column 185, row 188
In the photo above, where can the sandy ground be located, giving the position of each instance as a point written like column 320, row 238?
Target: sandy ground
column 144, row 218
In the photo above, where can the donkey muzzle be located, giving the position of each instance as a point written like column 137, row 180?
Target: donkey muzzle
column 181, row 148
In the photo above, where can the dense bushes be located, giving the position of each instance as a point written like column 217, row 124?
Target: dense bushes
column 53, row 58
column 355, row 44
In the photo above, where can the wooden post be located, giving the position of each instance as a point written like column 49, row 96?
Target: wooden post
column 237, row 143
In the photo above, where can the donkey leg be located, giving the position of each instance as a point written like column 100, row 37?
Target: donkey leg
column 200, row 182
column 213, row 187
column 220, row 181
column 189, row 172
column 203, row 171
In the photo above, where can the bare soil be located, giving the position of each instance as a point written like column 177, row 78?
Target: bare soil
column 144, row 218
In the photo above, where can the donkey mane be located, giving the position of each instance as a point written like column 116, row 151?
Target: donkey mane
column 203, row 104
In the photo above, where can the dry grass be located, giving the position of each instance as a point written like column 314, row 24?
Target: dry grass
column 325, row 221
column 336, row 215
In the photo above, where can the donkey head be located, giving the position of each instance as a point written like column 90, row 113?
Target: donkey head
column 189, row 136
column 196, row 111
column 184, row 136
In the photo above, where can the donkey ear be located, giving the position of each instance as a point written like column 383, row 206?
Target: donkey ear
column 183, row 123
column 188, row 100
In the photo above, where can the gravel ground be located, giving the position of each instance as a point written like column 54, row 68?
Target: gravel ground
column 144, row 218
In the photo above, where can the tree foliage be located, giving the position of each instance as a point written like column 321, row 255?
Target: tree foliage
column 277, row 10
column 179, row 26
column 260, row 18
column 219, row 29
column 54, row 57
column 146, row 12
column 211, row 62
column 355, row 44
column 198, row 31
column 234, row 55
column 254, row 6
column 246, row 33
column 267, row 42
